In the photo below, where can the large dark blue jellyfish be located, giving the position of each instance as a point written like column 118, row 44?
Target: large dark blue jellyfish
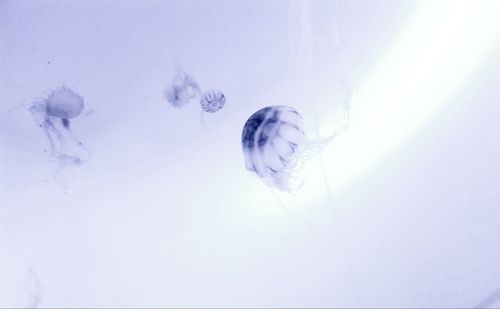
column 274, row 145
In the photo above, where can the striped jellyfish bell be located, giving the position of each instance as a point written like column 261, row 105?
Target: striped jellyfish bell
column 273, row 141
column 212, row 101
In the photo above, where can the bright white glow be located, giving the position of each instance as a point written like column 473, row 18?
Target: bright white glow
column 435, row 54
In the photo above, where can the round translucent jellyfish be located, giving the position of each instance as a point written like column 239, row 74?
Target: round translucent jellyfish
column 64, row 103
column 182, row 90
column 275, row 146
column 212, row 101
column 52, row 114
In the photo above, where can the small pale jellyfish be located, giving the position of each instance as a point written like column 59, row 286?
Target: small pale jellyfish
column 275, row 146
column 64, row 103
column 212, row 101
column 182, row 90
column 53, row 115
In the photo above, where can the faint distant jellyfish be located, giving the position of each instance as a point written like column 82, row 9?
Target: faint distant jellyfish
column 182, row 90
column 212, row 101
column 53, row 115
column 35, row 289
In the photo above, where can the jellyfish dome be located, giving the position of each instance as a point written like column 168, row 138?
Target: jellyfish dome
column 273, row 142
column 182, row 90
column 213, row 101
column 64, row 103
column 53, row 115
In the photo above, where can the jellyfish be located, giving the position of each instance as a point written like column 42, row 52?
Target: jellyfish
column 182, row 90
column 53, row 115
column 274, row 144
column 213, row 101
column 276, row 147
column 64, row 103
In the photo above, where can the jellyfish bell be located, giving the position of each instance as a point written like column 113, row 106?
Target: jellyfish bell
column 275, row 146
column 64, row 103
column 182, row 90
column 53, row 115
column 212, row 101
